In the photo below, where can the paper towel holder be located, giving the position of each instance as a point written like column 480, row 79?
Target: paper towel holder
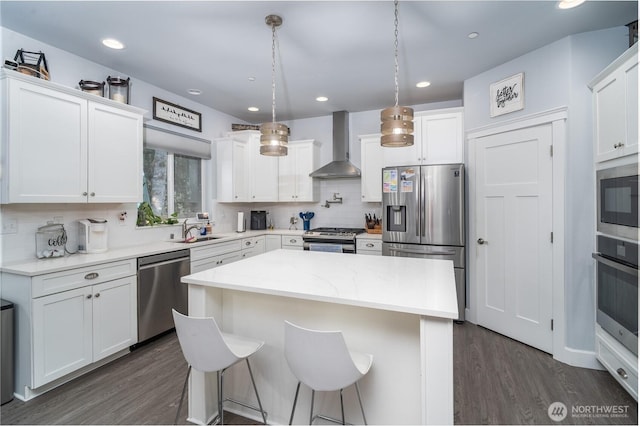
column 242, row 223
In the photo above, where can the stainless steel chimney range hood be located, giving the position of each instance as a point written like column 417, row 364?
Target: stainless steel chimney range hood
column 340, row 167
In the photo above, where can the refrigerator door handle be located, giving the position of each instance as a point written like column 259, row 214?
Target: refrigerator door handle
column 422, row 204
column 425, row 252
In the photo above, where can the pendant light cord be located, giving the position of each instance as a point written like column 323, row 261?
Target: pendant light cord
column 395, row 4
column 273, row 73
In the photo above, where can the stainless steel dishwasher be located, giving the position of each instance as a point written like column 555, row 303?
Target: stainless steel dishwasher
column 159, row 290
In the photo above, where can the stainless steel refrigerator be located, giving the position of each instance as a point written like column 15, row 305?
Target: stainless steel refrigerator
column 423, row 216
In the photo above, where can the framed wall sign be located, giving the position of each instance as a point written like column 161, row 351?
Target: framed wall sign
column 175, row 114
column 507, row 95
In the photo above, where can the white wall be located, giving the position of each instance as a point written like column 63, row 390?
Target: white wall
column 557, row 75
column 68, row 69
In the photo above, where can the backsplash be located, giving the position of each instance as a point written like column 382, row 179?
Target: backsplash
column 29, row 217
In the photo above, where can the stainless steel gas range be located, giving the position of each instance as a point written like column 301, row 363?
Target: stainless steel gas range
column 338, row 240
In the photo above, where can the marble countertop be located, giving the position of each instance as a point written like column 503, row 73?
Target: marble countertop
column 416, row 286
column 33, row 267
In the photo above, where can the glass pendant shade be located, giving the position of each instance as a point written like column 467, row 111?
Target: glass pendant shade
column 273, row 139
column 396, row 126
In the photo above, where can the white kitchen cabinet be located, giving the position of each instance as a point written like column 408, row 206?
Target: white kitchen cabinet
column 272, row 242
column 214, row 255
column 295, row 184
column 292, row 242
column 621, row 363
column 369, row 246
column 60, row 145
column 243, row 175
column 615, row 106
column 69, row 322
column 371, row 168
column 438, row 139
column 75, row 328
column 253, row 246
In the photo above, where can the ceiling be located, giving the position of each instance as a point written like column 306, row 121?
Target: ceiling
column 343, row 50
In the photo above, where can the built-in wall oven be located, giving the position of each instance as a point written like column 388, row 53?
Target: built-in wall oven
column 617, row 189
column 617, row 289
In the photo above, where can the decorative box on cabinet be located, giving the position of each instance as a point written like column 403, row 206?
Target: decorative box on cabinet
column 61, row 145
column 243, row 175
column 294, row 168
column 615, row 106
column 70, row 322
column 438, row 139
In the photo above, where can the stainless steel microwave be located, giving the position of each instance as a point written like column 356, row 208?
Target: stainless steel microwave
column 617, row 189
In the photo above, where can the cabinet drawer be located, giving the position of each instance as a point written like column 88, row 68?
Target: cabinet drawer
column 252, row 242
column 370, row 245
column 215, row 249
column 617, row 366
column 80, row 277
column 214, row 262
column 291, row 241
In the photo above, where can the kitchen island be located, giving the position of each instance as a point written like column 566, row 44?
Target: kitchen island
column 401, row 310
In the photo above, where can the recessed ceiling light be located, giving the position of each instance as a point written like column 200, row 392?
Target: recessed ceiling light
column 195, row 92
column 112, row 43
column 322, row 99
column 568, row 4
column 253, row 109
column 423, row 84
column 473, row 35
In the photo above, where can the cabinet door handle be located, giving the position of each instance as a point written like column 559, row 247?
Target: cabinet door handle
column 93, row 194
column 292, row 241
column 622, row 373
column 91, row 276
column 89, row 296
column 248, row 243
column 481, row 241
column 618, row 145
column 84, row 194
column 97, row 295
column 369, row 245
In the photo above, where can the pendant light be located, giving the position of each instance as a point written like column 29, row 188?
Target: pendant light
column 273, row 136
column 397, row 121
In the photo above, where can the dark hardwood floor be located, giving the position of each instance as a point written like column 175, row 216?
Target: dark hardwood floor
column 496, row 381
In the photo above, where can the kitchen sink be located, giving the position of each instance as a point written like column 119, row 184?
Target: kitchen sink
column 199, row 239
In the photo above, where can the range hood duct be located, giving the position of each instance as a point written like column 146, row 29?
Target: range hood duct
column 340, row 167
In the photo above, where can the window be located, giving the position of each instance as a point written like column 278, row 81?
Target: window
column 173, row 166
column 172, row 183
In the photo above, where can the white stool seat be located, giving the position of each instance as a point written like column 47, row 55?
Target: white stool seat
column 207, row 349
column 322, row 361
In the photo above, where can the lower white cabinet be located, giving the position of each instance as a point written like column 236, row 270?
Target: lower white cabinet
column 272, row 242
column 252, row 246
column 621, row 363
column 75, row 328
column 215, row 261
column 292, row 242
column 214, row 255
column 369, row 246
column 67, row 321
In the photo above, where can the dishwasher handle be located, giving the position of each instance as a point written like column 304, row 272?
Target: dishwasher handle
column 162, row 258
column 166, row 262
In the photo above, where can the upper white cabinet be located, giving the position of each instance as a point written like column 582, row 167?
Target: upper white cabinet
column 371, row 168
column 438, row 139
column 615, row 105
column 60, row 145
column 243, row 175
column 295, row 184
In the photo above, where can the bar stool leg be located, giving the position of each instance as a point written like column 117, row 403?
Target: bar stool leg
column 313, row 394
column 184, row 389
column 255, row 389
column 360, row 401
column 295, row 401
column 342, row 406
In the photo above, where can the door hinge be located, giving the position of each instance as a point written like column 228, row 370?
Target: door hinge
column 551, row 150
column 551, row 238
column 552, row 324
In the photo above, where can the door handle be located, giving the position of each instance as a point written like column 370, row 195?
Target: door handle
column 481, row 241
column 622, row 373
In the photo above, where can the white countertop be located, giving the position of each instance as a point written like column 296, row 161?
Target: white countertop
column 417, row 286
column 32, row 267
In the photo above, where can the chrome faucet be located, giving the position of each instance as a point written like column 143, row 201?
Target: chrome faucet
column 186, row 228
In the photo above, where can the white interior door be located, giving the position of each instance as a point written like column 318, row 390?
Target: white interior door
column 513, row 234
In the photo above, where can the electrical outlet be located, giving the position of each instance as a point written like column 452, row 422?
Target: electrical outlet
column 10, row 226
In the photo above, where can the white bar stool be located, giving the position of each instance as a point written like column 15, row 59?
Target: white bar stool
column 322, row 361
column 207, row 349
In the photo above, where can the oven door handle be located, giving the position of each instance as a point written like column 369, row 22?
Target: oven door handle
column 425, row 252
column 619, row 266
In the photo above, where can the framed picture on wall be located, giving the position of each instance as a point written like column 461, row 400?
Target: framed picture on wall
column 175, row 114
column 507, row 95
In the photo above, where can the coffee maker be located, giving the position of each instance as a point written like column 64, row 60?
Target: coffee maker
column 92, row 235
